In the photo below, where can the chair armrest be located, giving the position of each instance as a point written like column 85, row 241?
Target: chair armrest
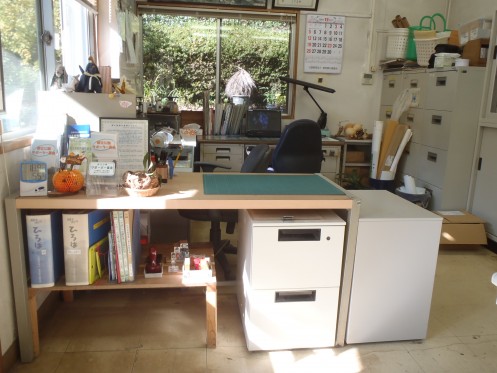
column 210, row 167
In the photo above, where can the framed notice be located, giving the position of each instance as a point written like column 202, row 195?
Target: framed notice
column 230, row 3
column 296, row 4
column 324, row 44
column 132, row 142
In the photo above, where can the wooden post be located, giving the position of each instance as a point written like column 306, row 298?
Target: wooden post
column 211, row 314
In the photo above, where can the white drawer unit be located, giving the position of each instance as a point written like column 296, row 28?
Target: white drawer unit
column 330, row 167
column 230, row 155
column 444, row 126
column 289, row 266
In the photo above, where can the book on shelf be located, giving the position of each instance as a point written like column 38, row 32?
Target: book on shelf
column 97, row 259
column 112, row 266
column 126, row 244
column 123, row 251
column 45, row 253
column 81, row 229
column 117, row 247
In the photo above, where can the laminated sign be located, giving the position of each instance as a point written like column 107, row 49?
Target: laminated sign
column 324, row 44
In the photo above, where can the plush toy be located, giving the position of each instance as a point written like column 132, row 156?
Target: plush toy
column 59, row 78
column 90, row 80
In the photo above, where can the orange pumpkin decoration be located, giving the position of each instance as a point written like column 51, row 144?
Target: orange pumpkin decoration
column 68, row 181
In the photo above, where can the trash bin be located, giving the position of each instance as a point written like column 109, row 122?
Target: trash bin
column 421, row 199
column 382, row 184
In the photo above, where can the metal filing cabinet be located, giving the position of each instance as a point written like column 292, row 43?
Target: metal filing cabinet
column 231, row 155
column 289, row 270
column 444, row 126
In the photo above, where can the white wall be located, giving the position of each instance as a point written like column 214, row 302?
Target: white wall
column 462, row 11
column 353, row 101
column 9, row 182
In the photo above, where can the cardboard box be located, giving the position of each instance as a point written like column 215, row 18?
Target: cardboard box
column 461, row 227
column 476, row 52
column 476, row 29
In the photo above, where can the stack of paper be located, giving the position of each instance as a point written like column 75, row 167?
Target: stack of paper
column 389, row 141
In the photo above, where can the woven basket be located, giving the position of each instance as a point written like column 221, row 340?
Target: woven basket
column 397, row 43
column 426, row 47
column 141, row 192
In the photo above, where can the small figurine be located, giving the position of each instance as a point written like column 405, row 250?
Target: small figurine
column 90, row 81
column 153, row 262
column 59, row 78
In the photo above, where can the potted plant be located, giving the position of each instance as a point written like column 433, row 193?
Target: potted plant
column 144, row 183
column 240, row 86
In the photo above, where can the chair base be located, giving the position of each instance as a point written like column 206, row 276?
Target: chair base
column 222, row 248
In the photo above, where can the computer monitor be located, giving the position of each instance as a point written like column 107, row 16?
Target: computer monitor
column 263, row 123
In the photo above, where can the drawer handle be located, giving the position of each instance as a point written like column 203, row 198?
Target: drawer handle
column 432, row 157
column 436, row 119
column 299, row 235
column 391, row 83
column 441, row 81
column 223, row 157
column 410, row 117
column 295, row 296
column 223, row 150
column 414, row 83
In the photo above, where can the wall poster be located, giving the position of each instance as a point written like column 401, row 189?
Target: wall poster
column 324, row 44
column 132, row 142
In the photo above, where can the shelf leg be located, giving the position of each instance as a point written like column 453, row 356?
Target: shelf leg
column 211, row 314
column 33, row 310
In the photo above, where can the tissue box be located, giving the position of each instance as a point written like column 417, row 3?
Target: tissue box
column 461, row 227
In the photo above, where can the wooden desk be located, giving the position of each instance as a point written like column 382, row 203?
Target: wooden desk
column 184, row 191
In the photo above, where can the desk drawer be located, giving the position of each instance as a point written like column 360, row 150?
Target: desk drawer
column 295, row 256
column 224, row 149
column 296, row 318
column 230, row 160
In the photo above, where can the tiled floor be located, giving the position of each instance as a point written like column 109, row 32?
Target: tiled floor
column 164, row 331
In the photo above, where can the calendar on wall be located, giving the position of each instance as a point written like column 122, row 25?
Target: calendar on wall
column 324, row 44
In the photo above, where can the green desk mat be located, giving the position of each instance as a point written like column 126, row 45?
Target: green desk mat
column 269, row 184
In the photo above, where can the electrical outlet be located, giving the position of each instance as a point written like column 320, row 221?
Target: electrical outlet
column 367, row 79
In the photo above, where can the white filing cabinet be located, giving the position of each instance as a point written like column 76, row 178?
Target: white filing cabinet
column 394, row 269
column 444, row 126
column 289, row 270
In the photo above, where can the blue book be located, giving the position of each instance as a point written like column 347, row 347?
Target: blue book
column 44, row 239
column 81, row 229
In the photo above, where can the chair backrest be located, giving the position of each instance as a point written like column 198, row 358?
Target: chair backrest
column 299, row 149
column 257, row 160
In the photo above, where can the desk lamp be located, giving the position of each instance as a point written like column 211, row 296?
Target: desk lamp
column 323, row 116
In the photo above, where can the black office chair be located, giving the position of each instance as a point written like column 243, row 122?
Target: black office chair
column 257, row 161
column 299, row 149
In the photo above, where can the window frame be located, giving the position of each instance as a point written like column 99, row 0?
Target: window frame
column 219, row 12
column 46, row 58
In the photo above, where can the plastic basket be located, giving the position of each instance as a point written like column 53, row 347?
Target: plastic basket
column 426, row 47
column 397, row 43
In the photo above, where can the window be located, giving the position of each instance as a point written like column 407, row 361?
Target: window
column 36, row 37
column 185, row 54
